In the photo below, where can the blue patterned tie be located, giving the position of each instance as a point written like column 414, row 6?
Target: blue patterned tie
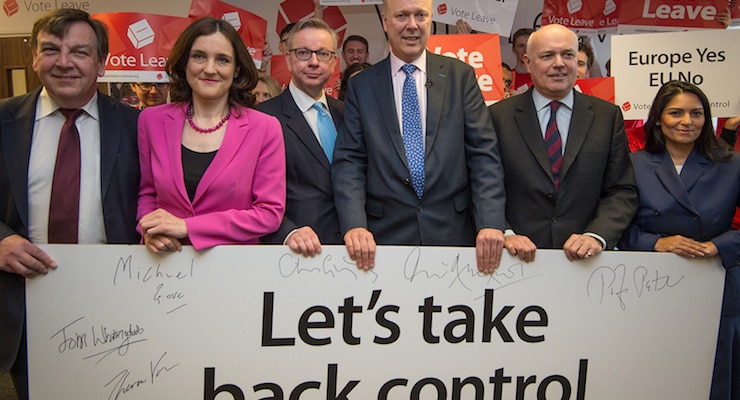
column 553, row 143
column 413, row 141
column 327, row 130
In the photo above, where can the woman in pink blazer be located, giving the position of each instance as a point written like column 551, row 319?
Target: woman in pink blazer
column 212, row 168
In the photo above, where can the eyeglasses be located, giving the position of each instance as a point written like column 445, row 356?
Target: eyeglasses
column 305, row 54
column 149, row 86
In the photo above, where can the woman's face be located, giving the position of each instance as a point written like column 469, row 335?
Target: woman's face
column 682, row 119
column 211, row 67
column 261, row 93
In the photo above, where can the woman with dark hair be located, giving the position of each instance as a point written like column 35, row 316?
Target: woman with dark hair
column 689, row 184
column 349, row 72
column 212, row 168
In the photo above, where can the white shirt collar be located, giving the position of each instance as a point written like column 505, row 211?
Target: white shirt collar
column 420, row 63
column 46, row 106
column 541, row 101
column 303, row 100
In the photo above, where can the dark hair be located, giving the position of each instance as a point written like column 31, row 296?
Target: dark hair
column 246, row 73
column 348, row 72
column 588, row 50
column 521, row 32
column 315, row 24
column 356, row 38
column 57, row 23
column 286, row 29
column 505, row 66
column 707, row 143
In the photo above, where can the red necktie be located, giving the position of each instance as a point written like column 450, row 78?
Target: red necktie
column 554, row 144
column 64, row 209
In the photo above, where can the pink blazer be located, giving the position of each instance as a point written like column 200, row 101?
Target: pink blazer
column 241, row 196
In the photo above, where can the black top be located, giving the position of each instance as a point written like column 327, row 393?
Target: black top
column 194, row 165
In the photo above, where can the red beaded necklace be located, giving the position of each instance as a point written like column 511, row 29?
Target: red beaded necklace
column 189, row 114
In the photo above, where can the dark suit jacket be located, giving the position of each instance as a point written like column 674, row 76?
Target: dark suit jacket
column 310, row 198
column 597, row 186
column 119, row 163
column 463, row 177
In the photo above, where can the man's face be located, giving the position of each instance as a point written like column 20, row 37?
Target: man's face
column 407, row 23
column 552, row 60
column 508, row 79
column 69, row 67
column 151, row 94
column 354, row 52
column 583, row 71
column 311, row 75
column 519, row 48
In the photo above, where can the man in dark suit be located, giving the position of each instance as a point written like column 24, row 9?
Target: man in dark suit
column 310, row 217
column 416, row 162
column 578, row 192
column 69, row 50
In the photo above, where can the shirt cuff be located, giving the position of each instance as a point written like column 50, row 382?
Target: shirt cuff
column 597, row 237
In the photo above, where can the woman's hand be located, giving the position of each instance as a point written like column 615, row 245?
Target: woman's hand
column 686, row 247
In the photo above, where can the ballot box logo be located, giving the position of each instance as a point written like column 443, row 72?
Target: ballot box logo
column 626, row 106
column 140, row 33
column 10, row 7
column 574, row 6
column 442, row 9
column 610, row 7
column 233, row 19
column 160, row 76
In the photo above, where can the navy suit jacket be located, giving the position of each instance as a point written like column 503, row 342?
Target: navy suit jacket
column 463, row 190
column 597, row 190
column 119, row 163
column 310, row 198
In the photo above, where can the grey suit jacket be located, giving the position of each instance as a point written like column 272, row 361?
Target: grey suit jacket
column 463, row 176
column 310, row 198
column 597, row 192
column 119, row 163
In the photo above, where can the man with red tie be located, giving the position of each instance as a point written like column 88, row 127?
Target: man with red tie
column 69, row 170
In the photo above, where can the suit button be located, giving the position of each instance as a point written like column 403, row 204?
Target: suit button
column 550, row 195
column 420, row 209
column 407, row 182
column 554, row 220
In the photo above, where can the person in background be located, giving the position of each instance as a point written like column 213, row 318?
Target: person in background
column 416, row 162
column 150, row 94
column 508, row 77
column 519, row 48
column 585, row 60
column 688, row 182
column 349, row 72
column 355, row 50
column 69, row 168
column 267, row 88
column 226, row 183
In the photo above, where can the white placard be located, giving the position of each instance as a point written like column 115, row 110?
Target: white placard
column 241, row 322
column 710, row 59
column 482, row 15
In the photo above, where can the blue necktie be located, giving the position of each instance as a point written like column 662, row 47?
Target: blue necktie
column 553, row 143
column 327, row 130
column 413, row 139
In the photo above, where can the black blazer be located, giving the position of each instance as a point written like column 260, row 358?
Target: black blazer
column 310, row 198
column 119, row 163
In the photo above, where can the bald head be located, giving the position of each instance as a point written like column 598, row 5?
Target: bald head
column 552, row 59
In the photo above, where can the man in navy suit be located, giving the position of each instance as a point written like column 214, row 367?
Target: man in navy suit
column 69, row 50
column 581, row 197
column 310, row 216
column 417, row 162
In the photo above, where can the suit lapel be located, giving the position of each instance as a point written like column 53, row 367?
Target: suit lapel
column 174, row 123
column 110, row 140
column 666, row 172
column 298, row 126
column 529, row 127
column 693, row 169
column 580, row 123
column 436, row 93
column 383, row 94
column 16, row 143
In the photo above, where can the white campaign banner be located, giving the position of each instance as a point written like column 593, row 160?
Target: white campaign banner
column 259, row 322
column 642, row 63
column 482, row 15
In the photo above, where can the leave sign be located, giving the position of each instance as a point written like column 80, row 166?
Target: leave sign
column 638, row 16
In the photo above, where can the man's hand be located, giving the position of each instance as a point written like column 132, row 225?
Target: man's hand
column 521, row 246
column 581, row 246
column 361, row 247
column 489, row 244
column 20, row 256
column 305, row 241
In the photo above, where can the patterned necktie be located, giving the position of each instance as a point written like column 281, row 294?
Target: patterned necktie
column 64, row 207
column 413, row 141
column 553, row 143
column 327, row 130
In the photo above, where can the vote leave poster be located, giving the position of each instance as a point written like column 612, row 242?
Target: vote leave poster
column 644, row 16
column 480, row 51
column 584, row 17
column 483, row 15
column 298, row 10
column 260, row 322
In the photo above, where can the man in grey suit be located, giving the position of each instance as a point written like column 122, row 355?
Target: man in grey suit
column 69, row 50
column 416, row 162
column 569, row 180
column 310, row 216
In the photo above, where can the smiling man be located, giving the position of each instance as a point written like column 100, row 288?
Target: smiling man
column 416, row 162
column 69, row 169
column 569, row 180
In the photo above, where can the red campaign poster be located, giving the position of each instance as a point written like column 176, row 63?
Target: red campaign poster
column 480, row 51
column 602, row 88
column 251, row 28
column 139, row 45
column 296, row 10
column 582, row 16
column 669, row 15
column 279, row 71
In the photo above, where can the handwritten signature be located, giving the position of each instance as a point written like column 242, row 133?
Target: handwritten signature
column 114, row 340
column 123, row 384
column 614, row 282
column 291, row 265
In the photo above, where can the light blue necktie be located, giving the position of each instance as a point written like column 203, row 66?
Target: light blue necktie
column 327, row 130
column 413, row 137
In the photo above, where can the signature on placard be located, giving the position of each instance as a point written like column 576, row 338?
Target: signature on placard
column 627, row 285
column 123, row 383
column 291, row 264
column 101, row 340
column 166, row 292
